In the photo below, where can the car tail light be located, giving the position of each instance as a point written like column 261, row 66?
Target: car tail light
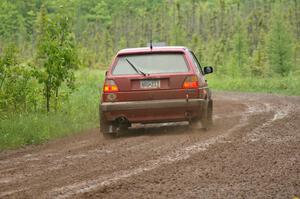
column 110, row 86
column 191, row 82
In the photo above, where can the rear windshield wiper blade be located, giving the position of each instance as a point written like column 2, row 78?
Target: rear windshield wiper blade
column 135, row 68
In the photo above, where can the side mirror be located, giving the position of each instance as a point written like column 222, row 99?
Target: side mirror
column 208, row 69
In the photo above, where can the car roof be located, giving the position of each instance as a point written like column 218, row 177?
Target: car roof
column 154, row 49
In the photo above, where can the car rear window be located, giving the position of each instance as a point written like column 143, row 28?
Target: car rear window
column 151, row 64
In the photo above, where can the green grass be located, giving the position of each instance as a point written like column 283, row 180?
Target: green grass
column 79, row 113
column 280, row 85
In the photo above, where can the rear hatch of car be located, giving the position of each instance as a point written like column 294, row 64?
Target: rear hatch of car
column 153, row 76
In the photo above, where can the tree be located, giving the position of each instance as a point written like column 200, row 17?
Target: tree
column 56, row 55
column 258, row 65
column 240, row 51
column 279, row 44
column 8, row 60
column 100, row 14
column 12, row 23
column 177, row 31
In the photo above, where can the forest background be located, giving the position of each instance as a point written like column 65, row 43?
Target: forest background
column 53, row 53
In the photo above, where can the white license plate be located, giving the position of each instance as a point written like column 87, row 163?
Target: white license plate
column 148, row 84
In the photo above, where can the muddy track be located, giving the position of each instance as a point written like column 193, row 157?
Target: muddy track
column 253, row 151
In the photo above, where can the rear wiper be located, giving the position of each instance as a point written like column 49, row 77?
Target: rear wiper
column 137, row 70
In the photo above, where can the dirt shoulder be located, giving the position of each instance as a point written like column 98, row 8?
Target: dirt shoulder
column 253, row 151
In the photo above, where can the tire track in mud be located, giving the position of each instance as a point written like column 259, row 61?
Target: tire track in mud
column 268, row 118
column 37, row 170
column 181, row 154
column 67, row 179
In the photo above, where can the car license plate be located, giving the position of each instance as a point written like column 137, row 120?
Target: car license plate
column 149, row 84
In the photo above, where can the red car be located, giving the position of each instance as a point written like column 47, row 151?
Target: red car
column 154, row 85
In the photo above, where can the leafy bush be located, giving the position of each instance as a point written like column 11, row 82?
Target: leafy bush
column 78, row 113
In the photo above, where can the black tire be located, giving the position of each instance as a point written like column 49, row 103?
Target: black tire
column 104, row 127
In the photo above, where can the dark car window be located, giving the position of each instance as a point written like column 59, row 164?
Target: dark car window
column 196, row 62
column 151, row 64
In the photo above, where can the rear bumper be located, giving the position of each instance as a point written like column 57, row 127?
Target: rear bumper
column 151, row 104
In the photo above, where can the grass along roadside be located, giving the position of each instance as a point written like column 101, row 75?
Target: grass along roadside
column 280, row 85
column 79, row 113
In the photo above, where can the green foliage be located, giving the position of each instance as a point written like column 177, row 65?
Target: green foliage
column 280, row 44
column 197, row 46
column 7, row 61
column 22, row 84
column 80, row 112
column 229, row 33
column 100, row 14
column 216, row 55
column 258, row 65
column 18, row 87
column 239, row 63
column 56, row 55
column 12, row 23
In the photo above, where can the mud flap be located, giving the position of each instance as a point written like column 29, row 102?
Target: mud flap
column 187, row 113
column 204, row 111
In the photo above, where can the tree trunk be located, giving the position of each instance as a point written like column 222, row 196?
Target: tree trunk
column 2, row 81
column 48, row 98
column 56, row 99
column 297, row 20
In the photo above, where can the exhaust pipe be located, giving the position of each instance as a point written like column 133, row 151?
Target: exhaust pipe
column 122, row 120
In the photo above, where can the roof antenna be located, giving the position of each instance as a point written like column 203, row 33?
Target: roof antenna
column 151, row 45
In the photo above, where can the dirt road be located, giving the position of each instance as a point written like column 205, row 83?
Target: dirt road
column 253, row 151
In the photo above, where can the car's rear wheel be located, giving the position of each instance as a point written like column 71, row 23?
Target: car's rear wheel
column 105, row 127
